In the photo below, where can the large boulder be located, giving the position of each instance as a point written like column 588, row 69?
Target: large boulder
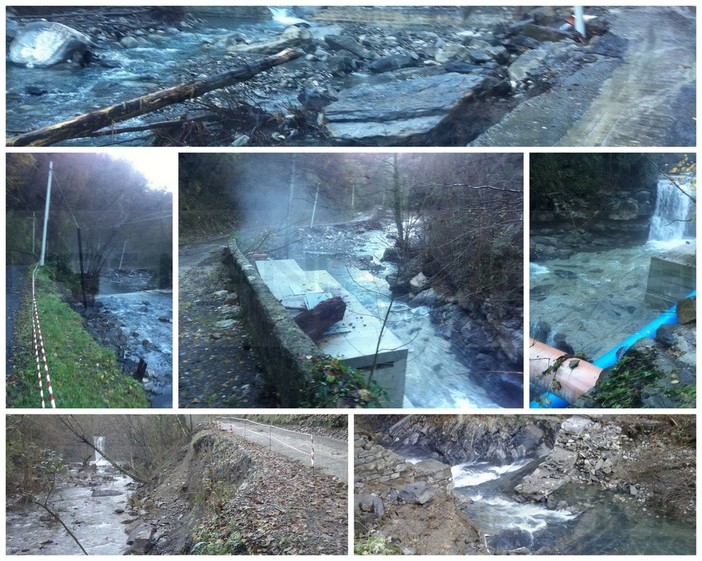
column 415, row 111
column 46, row 43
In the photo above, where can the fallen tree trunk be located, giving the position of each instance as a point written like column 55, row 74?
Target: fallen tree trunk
column 107, row 116
column 314, row 322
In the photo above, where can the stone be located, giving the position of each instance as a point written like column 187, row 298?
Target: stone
column 526, row 63
column 542, row 33
column 346, row 43
column 451, row 51
column 391, row 62
column 225, row 324
column 129, row 42
column 140, row 539
column 407, row 112
column 510, row 540
column 417, row 493
column 292, row 37
column 686, row 310
column 106, row 493
column 425, row 298
column 418, row 283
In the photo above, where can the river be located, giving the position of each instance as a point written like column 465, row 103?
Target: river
column 157, row 64
column 438, row 375
column 145, row 319
column 596, row 299
column 97, row 521
column 596, row 522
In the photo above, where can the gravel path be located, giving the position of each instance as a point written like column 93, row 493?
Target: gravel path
column 644, row 98
column 217, row 365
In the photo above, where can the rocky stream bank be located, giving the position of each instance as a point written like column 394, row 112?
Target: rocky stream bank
column 567, row 477
column 487, row 335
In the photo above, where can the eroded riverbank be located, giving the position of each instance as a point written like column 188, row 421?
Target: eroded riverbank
column 425, row 76
column 539, row 484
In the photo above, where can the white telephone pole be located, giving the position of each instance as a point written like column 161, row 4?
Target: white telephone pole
column 46, row 214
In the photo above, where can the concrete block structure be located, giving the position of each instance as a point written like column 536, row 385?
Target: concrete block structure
column 356, row 339
column 671, row 278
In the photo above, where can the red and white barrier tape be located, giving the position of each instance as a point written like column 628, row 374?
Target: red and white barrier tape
column 39, row 347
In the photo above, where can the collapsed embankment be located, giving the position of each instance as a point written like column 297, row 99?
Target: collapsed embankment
column 224, row 495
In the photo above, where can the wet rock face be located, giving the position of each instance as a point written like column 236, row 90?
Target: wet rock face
column 456, row 440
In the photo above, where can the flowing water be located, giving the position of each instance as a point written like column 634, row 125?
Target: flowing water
column 158, row 64
column 93, row 519
column 437, row 375
column 147, row 315
column 596, row 299
column 596, row 522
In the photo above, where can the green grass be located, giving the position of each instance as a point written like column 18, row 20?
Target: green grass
column 83, row 373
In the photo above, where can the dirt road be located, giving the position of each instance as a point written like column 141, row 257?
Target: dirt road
column 330, row 455
column 646, row 98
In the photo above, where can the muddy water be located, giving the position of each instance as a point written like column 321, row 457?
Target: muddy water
column 92, row 519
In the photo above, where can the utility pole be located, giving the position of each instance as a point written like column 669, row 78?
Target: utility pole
column 314, row 208
column 46, row 214
column 34, row 233
column 579, row 14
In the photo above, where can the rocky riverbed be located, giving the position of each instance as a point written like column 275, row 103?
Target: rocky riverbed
column 484, row 338
column 370, row 76
column 538, row 484
column 138, row 325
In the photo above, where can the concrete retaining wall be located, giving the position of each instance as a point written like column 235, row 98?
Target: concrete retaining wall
column 280, row 343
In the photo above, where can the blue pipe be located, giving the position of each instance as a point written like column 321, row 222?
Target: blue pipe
column 610, row 358
column 548, row 400
column 670, row 316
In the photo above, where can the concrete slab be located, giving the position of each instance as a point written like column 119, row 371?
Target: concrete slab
column 355, row 339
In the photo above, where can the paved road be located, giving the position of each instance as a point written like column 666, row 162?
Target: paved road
column 330, row 455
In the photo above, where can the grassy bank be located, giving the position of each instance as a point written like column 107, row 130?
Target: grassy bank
column 83, row 373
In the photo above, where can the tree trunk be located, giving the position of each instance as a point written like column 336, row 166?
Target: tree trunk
column 107, row 116
column 314, row 322
column 397, row 205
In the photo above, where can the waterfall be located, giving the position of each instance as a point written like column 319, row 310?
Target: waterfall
column 674, row 208
column 284, row 17
column 99, row 442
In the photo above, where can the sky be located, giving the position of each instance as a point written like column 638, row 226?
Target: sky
column 159, row 166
